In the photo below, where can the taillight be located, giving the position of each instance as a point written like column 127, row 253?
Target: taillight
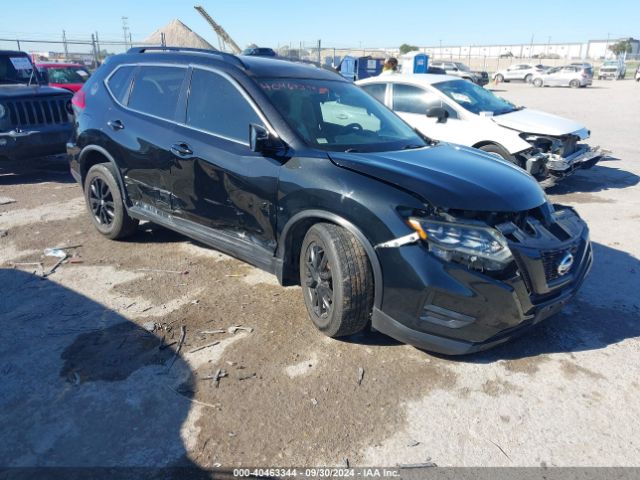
column 79, row 99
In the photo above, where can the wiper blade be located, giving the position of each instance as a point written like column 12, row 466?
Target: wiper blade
column 412, row 146
column 352, row 150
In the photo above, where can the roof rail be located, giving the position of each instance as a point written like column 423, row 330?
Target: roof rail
column 223, row 55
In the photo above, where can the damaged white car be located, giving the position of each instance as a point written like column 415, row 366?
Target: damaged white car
column 449, row 109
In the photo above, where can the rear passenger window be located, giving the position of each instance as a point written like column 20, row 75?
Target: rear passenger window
column 119, row 83
column 156, row 91
column 376, row 90
column 216, row 106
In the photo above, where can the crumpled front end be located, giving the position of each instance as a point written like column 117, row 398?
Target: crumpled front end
column 456, row 303
column 565, row 154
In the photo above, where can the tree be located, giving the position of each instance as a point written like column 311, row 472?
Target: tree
column 621, row 47
column 406, row 48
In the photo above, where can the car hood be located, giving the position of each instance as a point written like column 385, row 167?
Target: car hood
column 450, row 176
column 23, row 90
column 534, row 121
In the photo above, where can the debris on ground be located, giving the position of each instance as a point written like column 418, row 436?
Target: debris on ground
column 7, row 200
column 57, row 253
column 183, row 333
column 314, row 401
column 4, row 233
column 157, row 270
column 212, row 332
column 413, row 443
column 247, row 377
column 204, row 346
column 220, row 373
column 235, row 328
column 149, row 326
column 360, row 375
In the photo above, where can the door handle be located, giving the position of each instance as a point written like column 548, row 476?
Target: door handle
column 115, row 124
column 181, row 149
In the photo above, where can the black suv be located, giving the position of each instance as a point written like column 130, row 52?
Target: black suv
column 35, row 119
column 299, row 172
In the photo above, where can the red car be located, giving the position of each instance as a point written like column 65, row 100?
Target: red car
column 64, row 75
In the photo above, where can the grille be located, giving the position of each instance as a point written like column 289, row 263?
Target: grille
column 38, row 111
column 551, row 260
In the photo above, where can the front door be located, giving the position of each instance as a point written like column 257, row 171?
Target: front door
column 217, row 180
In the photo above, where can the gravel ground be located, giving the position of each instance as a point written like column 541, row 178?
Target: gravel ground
column 88, row 373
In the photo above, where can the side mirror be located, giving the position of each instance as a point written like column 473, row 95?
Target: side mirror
column 259, row 138
column 438, row 112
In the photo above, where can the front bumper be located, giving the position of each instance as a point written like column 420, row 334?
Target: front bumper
column 45, row 140
column 584, row 157
column 447, row 308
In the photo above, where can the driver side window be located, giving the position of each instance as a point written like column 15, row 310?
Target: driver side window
column 411, row 99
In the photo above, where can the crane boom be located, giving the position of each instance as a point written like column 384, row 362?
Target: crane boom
column 222, row 34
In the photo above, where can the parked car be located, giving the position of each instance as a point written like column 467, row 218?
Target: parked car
column 452, row 110
column 35, row 119
column 459, row 69
column 508, row 54
column 521, row 71
column 612, row 69
column 70, row 76
column 260, row 52
column 437, row 246
column 638, row 74
column 568, row 76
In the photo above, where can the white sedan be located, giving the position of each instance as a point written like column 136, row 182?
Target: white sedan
column 453, row 110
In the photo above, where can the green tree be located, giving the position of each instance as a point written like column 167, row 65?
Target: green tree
column 621, row 47
column 406, row 48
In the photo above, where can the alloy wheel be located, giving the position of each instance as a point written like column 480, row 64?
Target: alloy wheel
column 101, row 202
column 318, row 280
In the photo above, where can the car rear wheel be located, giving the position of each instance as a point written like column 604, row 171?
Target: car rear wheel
column 574, row 83
column 537, row 82
column 336, row 279
column 499, row 78
column 105, row 204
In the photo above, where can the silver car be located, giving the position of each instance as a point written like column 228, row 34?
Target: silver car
column 521, row 71
column 574, row 76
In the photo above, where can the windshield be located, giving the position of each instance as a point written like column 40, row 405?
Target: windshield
column 66, row 74
column 474, row 98
column 338, row 116
column 16, row 69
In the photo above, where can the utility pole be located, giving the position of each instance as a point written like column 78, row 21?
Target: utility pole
column 531, row 46
column 606, row 47
column 95, row 52
column 319, row 53
column 125, row 30
column 98, row 45
column 64, row 44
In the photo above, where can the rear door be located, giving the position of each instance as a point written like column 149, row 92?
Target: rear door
column 140, row 123
column 218, row 181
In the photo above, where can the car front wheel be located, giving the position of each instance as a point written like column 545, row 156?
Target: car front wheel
column 105, row 204
column 537, row 82
column 336, row 280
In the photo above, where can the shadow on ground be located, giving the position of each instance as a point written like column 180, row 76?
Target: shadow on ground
column 36, row 170
column 85, row 388
column 596, row 179
column 602, row 314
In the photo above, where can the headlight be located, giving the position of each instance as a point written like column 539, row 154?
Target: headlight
column 3, row 111
column 478, row 247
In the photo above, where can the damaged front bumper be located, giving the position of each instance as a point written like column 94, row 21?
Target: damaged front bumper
column 584, row 157
column 447, row 308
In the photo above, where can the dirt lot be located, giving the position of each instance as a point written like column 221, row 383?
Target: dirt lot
column 88, row 374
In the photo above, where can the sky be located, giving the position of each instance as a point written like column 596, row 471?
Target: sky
column 345, row 23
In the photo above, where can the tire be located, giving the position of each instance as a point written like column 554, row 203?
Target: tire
column 538, row 82
column 499, row 78
column 528, row 78
column 492, row 148
column 336, row 280
column 104, row 202
column 574, row 83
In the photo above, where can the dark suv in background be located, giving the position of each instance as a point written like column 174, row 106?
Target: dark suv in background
column 35, row 120
column 299, row 172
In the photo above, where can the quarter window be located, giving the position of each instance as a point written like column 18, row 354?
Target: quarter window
column 156, row 91
column 119, row 83
column 376, row 90
column 216, row 106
